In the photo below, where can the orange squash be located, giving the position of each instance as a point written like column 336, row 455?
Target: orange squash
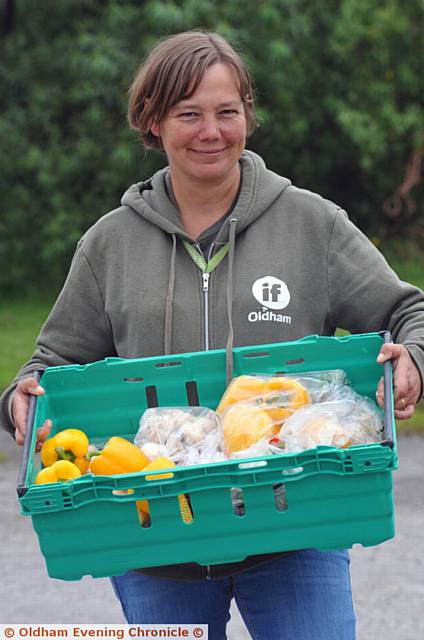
column 244, row 424
column 269, row 394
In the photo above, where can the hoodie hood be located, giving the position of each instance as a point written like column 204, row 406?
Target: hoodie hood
column 258, row 191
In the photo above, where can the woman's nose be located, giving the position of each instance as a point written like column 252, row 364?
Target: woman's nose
column 209, row 129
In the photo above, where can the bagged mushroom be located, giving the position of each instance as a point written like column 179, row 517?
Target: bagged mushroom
column 186, row 435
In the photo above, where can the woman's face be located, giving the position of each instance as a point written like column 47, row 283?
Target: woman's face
column 204, row 135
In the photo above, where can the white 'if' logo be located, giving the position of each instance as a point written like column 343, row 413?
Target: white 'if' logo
column 271, row 292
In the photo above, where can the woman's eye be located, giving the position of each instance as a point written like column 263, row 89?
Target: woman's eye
column 188, row 115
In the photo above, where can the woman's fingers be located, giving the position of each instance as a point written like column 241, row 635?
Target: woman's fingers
column 405, row 413
column 380, row 393
column 406, row 380
column 42, row 433
column 388, row 351
column 21, row 397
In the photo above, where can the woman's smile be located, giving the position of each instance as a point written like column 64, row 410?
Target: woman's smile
column 208, row 154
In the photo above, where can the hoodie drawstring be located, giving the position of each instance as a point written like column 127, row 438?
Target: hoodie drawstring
column 229, row 360
column 170, row 298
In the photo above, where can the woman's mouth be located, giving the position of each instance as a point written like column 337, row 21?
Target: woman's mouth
column 208, row 152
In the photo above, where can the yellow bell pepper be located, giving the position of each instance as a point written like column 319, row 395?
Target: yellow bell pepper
column 82, row 464
column 59, row 471
column 118, row 456
column 143, row 505
column 69, row 444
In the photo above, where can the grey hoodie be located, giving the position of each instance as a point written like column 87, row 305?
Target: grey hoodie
column 297, row 266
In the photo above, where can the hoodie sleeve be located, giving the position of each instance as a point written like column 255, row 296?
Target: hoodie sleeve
column 77, row 330
column 366, row 295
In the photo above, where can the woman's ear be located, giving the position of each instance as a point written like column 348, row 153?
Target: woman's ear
column 155, row 129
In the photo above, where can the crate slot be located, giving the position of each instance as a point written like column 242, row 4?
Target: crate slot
column 144, row 515
column 172, row 363
column 135, row 379
column 186, row 508
column 297, row 361
column 252, row 465
column 192, row 393
column 238, row 502
column 257, row 354
column 280, row 497
column 159, row 476
column 292, row 472
column 120, row 492
column 151, row 396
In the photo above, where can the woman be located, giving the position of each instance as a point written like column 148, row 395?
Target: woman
column 286, row 263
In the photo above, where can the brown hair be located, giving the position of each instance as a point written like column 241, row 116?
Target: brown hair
column 173, row 71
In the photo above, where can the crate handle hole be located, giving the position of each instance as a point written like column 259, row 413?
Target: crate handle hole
column 253, row 465
column 292, row 472
column 135, row 379
column 158, row 476
column 367, row 463
column 172, row 363
column 297, row 361
column 280, row 497
column 122, row 492
column 257, row 354
column 238, row 503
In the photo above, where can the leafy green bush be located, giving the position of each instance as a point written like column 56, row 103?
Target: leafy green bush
column 339, row 89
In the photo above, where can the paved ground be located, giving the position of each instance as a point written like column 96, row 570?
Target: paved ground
column 387, row 580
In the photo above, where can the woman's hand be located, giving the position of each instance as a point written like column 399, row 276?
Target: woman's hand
column 20, row 404
column 406, row 380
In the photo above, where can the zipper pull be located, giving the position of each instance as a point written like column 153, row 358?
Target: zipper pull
column 205, row 277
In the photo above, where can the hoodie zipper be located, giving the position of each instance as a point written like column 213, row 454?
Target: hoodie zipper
column 206, row 302
column 205, row 287
column 206, row 267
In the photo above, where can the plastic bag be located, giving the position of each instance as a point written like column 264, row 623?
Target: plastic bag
column 254, row 407
column 348, row 419
column 186, row 435
column 321, row 385
column 282, row 393
column 262, row 447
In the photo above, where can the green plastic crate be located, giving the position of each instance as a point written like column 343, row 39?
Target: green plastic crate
column 334, row 497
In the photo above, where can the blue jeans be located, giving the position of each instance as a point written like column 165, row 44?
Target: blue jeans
column 302, row 596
